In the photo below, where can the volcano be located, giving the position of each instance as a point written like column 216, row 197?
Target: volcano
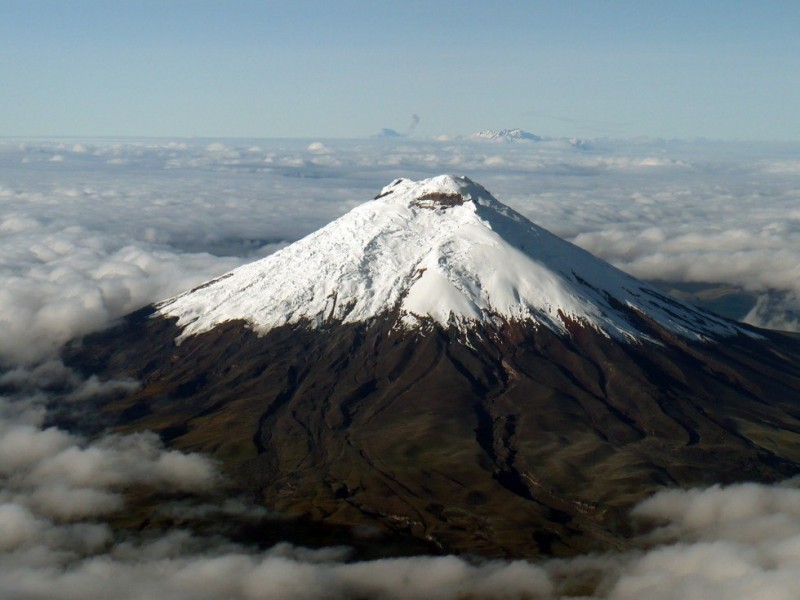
column 434, row 365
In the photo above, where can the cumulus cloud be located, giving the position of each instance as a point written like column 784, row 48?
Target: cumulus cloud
column 56, row 488
column 174, row 568
column 76, row 283
column 776, row 310
column 734, row 542
column 63, row 477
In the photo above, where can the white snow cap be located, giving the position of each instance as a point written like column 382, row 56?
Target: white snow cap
column 438, row 250
column 507, row 135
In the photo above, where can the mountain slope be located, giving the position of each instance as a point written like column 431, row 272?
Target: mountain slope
column 514, row 398
column 507, row 135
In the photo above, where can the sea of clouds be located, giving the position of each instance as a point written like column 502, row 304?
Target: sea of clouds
column 93, row 229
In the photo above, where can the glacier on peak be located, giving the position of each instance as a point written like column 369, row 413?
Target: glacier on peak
column 438, row 250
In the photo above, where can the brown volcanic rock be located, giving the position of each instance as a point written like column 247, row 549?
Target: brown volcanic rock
column 513, row 441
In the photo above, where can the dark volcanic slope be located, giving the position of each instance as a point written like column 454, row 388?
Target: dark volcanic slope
column 516, row 442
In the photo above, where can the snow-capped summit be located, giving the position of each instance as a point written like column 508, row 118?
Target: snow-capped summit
column 507, row 135
column 439, row 250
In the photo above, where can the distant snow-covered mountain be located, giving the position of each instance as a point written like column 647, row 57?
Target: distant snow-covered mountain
column 507, row 135
column 518, row 135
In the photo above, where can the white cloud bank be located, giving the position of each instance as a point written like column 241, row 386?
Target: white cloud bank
column 91, row 231
column 737, row 542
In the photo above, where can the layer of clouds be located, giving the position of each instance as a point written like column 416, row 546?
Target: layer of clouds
column 52, row 474
column 90, row 231
column 58, row 490
column 735, row 542
column 742, row 541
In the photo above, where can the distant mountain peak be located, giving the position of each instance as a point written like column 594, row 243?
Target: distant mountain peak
column 507, row 135
column 387, row 132
column 440, row 250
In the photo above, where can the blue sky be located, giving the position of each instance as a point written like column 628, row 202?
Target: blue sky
column 346, row 68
